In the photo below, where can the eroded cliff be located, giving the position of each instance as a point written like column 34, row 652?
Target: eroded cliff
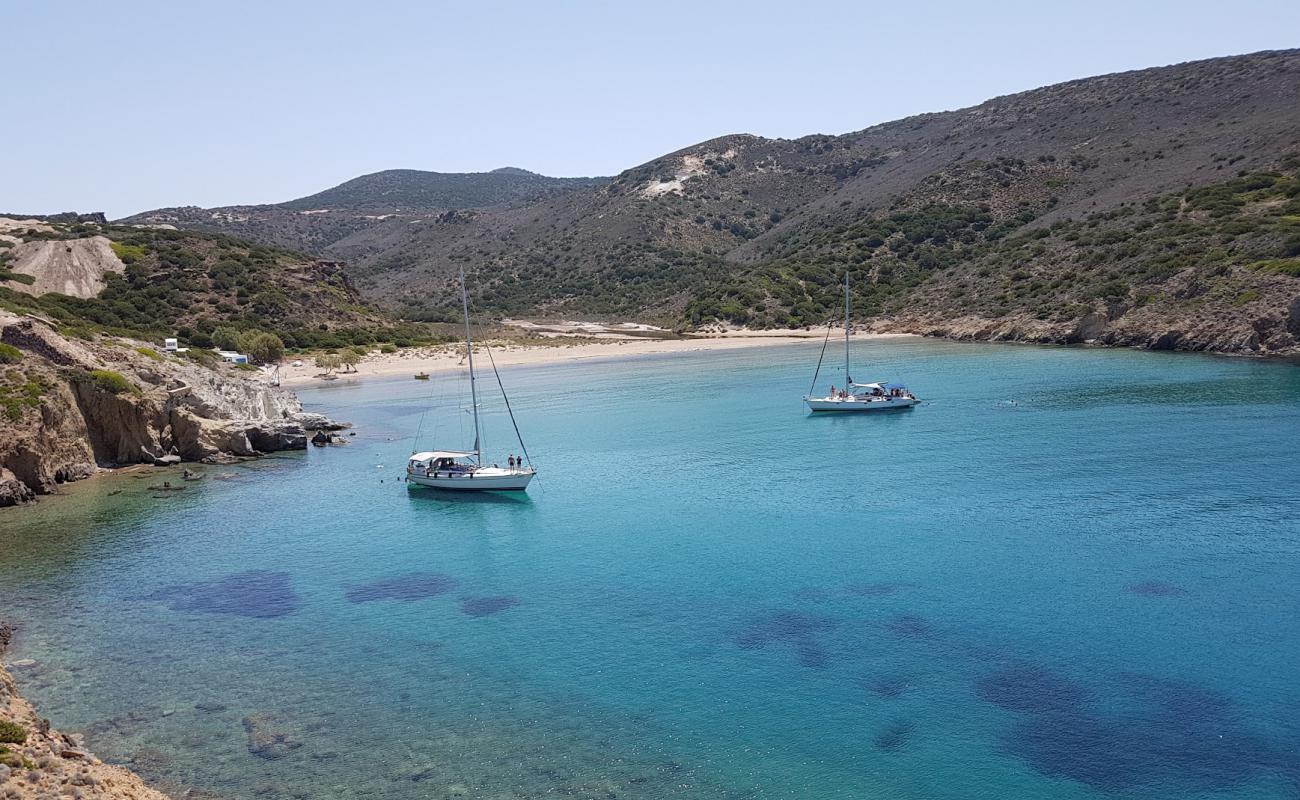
column 70, row 407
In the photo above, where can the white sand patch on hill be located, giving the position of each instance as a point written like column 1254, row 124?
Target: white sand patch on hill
column 8, row 224
column 73, row 267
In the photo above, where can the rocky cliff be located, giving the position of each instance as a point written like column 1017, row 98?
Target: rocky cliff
column 69, row 407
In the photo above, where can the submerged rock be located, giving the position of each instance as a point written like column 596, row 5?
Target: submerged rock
column 255, row 593
column 412, row 586
column 486, row 606
column 266, row 738
column 51, row 764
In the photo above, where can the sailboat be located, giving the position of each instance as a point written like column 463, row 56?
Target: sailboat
column 463, row 470
column 856, row 397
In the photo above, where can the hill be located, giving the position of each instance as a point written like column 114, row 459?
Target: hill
column 154, row 283
column 1153, row 207
column 313, row 223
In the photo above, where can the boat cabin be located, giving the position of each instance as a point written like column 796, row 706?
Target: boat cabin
column 434, row 461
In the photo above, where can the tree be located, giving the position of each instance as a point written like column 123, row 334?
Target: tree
column 350, row 360
column 263, row 347
column 328, row 362
column 225, row 338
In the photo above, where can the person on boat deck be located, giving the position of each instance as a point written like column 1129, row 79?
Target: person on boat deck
column 511, row 460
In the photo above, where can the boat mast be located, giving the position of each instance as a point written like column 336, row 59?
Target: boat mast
column 469, row 355
column 847, row 381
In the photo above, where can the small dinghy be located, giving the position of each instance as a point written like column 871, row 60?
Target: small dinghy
column 422, row 376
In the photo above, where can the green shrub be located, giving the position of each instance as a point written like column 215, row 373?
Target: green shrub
column 1279, row 266
column 205, row 357
column 112, row 382
column 129, row 253
column 12, row 732
column 17, row 277
column 149, row 352
column 388, row 348
column 10, row 354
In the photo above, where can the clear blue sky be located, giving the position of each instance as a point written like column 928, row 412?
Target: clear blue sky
column 126, row 106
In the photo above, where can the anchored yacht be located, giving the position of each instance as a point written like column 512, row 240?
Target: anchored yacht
column 464, row 470
column 856, row 397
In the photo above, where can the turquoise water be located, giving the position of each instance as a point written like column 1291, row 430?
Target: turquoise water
column 1069, row 574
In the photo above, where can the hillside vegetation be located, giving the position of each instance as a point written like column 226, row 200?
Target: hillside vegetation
column 185, row 283
column 1151, row 207
column 399, row 196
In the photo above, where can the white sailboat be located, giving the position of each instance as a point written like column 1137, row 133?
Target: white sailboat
column 463, row 470
column 856, row 397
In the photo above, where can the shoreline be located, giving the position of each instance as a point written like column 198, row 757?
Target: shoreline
column 559, row 350
column 37, row 761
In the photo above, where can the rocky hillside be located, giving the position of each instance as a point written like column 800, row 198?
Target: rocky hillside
column 155, row 282
column 39, row 762
column 399, row 196
column 68, row 407
column 1153, row 207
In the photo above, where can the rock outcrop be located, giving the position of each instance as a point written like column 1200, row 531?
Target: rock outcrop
column 37, row 761
column 71, row 407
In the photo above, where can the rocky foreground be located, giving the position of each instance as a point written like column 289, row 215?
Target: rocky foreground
column 37, row 761
column 69, row 407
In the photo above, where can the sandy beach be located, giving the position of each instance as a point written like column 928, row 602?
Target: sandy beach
column 556, row 349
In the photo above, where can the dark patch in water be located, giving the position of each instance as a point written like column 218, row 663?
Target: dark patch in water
column 891, row 686
column 810, row 653
column 1180, row 700
column 813, row 594
column 412, row 586
column 1156, row 589
column 1031, row 688
column 486, row 606
column 874, row 589
column 256, row 593
column 1155, row 732
column 911, row 626
column 895, row 736
column 791, row 628
column 1114, row 754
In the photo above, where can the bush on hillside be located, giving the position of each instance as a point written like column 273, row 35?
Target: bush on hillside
column 12, row 732
column 112, row 382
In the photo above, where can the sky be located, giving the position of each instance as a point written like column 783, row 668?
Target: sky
column 127, row 106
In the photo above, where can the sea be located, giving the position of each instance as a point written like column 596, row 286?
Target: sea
column 1068, row 573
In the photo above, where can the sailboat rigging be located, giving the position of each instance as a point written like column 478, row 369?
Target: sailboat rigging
column 464, row 470
column 853, row 397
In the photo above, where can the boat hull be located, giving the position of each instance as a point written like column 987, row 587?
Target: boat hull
column 853, row 405
column 488, row 480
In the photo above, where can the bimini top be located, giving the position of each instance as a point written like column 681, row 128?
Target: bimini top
column 436, row 454
column 882, row 385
